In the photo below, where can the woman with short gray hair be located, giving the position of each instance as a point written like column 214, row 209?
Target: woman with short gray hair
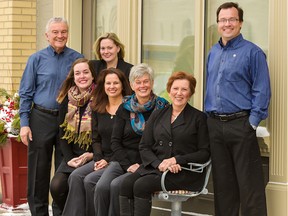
column 139, row 70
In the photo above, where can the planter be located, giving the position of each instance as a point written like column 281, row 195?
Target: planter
column 13, row 170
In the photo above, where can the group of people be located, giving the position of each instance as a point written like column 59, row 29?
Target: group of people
column 113, row 137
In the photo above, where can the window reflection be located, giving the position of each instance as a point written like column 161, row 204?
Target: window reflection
column 168, row 39
column 106, row 16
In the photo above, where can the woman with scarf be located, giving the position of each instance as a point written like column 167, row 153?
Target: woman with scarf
column 174, row 136
column 129, row 124
column 112, row 86
column 75, row 99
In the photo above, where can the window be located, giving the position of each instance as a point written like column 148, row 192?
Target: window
column 168, row 39
column 255, row 25
column 99, row 16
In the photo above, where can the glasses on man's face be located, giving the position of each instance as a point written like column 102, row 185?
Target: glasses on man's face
column 230, row 20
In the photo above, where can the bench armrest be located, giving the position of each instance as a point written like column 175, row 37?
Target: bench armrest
column 193, row 167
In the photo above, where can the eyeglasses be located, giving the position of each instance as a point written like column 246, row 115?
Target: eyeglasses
column 230, row 20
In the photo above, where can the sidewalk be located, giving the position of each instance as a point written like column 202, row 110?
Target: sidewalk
column 21, row 210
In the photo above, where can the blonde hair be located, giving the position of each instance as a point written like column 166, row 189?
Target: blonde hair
column 112, row 36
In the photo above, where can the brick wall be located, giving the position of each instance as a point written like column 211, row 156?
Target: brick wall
column 17, row 40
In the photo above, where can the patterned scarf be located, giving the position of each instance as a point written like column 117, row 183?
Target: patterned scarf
column 137, row 120
column 74, row 133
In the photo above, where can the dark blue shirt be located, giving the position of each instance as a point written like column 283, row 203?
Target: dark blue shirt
column 238, row 79
column 44, row 74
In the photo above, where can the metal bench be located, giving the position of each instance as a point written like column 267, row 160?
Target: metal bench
column 178, row 196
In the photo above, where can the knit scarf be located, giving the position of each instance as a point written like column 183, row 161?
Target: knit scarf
column 137, row 120
column 74, row 132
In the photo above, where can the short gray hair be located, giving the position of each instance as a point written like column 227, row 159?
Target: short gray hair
column 140, row 70
column 56, row 20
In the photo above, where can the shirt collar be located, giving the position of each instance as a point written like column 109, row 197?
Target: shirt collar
column 53, row 52
column 231, row 43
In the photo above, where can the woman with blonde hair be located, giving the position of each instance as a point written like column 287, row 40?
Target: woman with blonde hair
column 109, row 51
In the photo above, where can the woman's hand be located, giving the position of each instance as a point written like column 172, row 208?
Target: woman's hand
column 87, row 156
column 174, row 168
column 75, row 162
column 133, row 168
column 81, row 160
column 100, row 164
column 163, row 166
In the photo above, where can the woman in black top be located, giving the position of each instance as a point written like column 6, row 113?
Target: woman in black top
column 110, row 53
column 75, row 99
column 112, row 86
column 128, row 127
column 173, row 136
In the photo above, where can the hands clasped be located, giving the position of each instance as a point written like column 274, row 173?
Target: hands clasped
column 169, row 164
column 81, row 160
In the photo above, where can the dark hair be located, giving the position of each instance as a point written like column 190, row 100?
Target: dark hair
column 230, row 5
column 112, row 36
column 180, row 75
column 100, row 98
column 69, row 81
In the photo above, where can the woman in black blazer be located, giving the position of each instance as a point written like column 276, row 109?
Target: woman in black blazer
column 110, row 52
column 173, row 137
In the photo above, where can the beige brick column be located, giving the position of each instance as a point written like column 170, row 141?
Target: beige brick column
column 17, row 40
column 277, row 188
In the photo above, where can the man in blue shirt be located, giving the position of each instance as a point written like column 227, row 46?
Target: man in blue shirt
column 237, row 99
column 44, row 73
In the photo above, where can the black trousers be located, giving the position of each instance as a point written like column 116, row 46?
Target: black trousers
column 44, row 129
column 237, row 168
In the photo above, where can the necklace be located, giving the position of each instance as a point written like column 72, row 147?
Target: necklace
column 174, row 117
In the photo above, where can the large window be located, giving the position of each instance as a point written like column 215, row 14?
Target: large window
column 255, row 25
column 168, row 38
column 99, row 16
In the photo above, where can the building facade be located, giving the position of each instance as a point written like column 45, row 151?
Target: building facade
column 168, row 35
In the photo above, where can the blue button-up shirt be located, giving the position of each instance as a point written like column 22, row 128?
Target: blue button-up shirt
column 238, row 79
column 44, row 73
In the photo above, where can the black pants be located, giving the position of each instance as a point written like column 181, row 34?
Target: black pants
column 237, row 168
column 143, row 186
column 44, row 129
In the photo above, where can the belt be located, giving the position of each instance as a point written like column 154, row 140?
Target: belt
column 228, row 117
column 44, row 110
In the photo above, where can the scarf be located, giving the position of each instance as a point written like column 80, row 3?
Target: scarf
column 137, row 120
column 74, row 132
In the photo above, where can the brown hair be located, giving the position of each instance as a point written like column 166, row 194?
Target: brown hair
column 69, row 81
column 230, row 5
column 182, row 75
column 100, row 99
column 112, row 36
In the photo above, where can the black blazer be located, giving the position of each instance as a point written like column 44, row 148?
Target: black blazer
column 186, row 138
column 99, row 65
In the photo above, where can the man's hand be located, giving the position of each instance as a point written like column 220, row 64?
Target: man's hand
column 25, row 135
